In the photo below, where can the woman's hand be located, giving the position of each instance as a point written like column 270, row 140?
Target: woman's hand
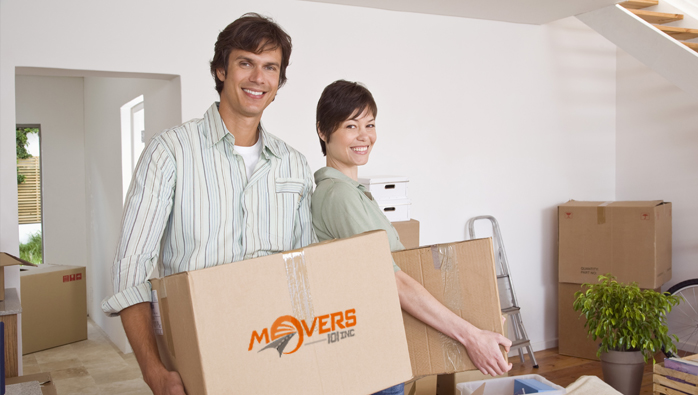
column 482, row 346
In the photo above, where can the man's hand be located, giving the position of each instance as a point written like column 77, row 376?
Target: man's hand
column 484, row 352
column 165, row 383
column 138, row 324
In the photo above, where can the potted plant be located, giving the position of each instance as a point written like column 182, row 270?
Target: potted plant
column 631, row 324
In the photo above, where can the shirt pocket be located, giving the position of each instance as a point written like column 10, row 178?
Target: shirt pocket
column 289, row 192
column 290, row 185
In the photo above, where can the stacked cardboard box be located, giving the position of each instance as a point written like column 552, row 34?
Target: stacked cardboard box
column 390, row 192
column 629, row 239
column 54, row 306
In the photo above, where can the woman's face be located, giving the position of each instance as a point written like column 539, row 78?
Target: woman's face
column 351, row 144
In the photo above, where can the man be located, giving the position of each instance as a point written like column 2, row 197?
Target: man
column 214, row 190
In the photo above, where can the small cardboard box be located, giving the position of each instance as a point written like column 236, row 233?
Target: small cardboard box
column 8, row 260
column 408, row 232
column 631, row 240
column 324, row 319
column 462, row 277
column 54, row 306
column 44, row 379
column 572, row 335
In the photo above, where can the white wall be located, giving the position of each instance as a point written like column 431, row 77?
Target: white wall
column 484, row 117
column 103, row 100
column 657, row 140
column 57, row 104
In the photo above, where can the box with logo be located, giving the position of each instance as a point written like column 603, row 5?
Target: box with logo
column 631, row 240
column 54, row 306
column 462, row 277
column 386, row 187
column 324, row 319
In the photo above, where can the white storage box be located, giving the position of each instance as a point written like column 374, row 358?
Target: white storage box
column 395, row 210
column 386, row 187
column 505, row 386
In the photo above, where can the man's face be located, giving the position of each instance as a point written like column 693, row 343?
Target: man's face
column 250, row 83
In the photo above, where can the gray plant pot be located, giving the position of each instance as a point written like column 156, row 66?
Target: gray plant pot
column 623, row 370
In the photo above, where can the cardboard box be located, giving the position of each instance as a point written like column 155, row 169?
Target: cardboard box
column 631, row 240
column 44, row 379
column 462, row 277
column 408, row 232
column 8, row 260
column 54, row 306
column 572, row 335
column 324, row 319
column 505, row 386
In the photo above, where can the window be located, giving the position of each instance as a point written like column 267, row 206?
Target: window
column 132, row 138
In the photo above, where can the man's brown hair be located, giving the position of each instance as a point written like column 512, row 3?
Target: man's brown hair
column 254, row 33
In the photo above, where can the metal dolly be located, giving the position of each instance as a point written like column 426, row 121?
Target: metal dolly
column 507, row 296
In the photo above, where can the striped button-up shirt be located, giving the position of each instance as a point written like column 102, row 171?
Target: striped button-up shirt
column 190, row 198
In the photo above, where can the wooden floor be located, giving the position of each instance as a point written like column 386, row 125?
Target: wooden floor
column 563, row 370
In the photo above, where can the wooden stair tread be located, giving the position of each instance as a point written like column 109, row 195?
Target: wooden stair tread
column 657, row 17
column 693, row 46
column 636, row 4
column 679, row 33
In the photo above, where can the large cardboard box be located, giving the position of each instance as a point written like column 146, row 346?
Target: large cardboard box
column 572, row 335
column 631, row 240
column 462, row 277
column 8, row 260
column 324, row 319
column 54, row 306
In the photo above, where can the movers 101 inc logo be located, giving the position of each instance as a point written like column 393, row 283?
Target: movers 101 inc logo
column 287, row 332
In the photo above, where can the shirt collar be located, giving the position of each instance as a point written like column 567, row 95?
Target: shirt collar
column 218, row 131
column 332, row 173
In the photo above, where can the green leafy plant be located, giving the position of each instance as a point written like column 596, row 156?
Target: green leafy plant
column 626, row 318
column 22, row 153
column 32, row 250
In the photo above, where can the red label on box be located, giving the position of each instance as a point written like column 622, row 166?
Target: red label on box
column 645, row 217
column 568, row 215
column 72, row 277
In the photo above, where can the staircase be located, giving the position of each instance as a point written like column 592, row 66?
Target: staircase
column 655, row 34
column 657, row 19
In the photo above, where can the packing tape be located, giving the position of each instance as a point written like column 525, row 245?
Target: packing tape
column 601, row 213
column 446, row 261
column 298, row 285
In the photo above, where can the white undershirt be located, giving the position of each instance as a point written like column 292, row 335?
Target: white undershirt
column 250, row 155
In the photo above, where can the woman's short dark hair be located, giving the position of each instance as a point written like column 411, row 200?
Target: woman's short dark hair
column 252, row 33
column 341, row 100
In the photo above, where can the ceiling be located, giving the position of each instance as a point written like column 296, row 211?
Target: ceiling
column 517, row 11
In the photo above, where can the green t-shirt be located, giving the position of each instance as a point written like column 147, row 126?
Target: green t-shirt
column 341, row 208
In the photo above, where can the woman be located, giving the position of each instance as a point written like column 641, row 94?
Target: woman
column 341, row 208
